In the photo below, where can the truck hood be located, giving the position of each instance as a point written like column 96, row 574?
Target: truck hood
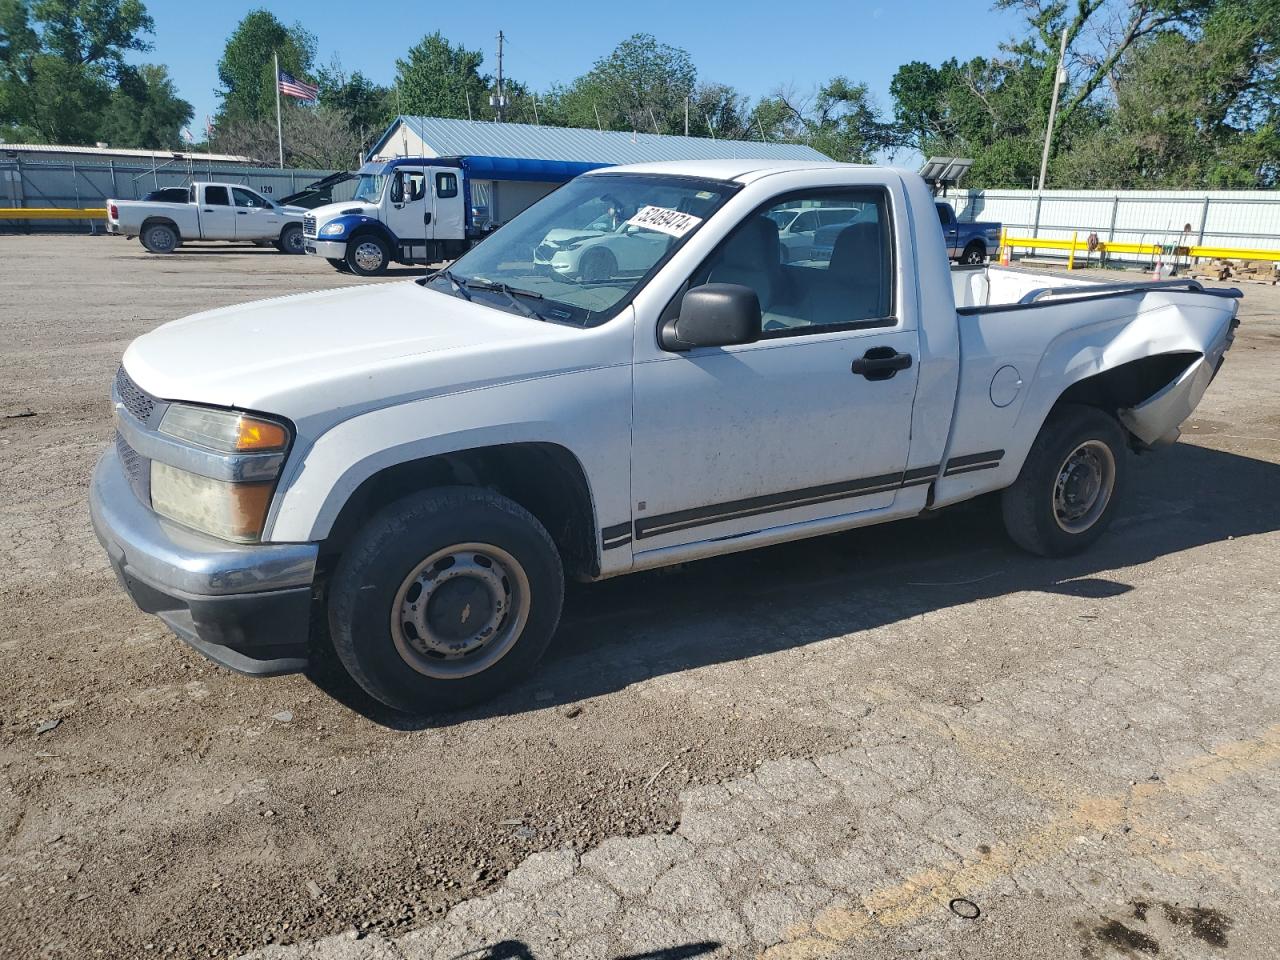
column 319, row 358
column 330, row 210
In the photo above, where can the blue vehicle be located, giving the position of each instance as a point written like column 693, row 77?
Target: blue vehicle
column 420, row 210
column 968, row 242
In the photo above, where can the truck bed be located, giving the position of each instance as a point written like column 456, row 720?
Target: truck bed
column 1023, row 334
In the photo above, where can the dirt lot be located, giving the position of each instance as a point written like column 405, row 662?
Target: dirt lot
column 1103, row 733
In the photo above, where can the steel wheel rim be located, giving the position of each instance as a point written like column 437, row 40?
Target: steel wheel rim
column 1083, row 487
column 165, row 239
column 368, row 256
column 293, row 240
column 432, row 616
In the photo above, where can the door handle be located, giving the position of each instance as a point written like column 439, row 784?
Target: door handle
column 208, row 209
column 426, row 217
column 880, row 363
column 242, row 213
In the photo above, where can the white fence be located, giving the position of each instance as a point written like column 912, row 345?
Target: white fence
column 1248, row 219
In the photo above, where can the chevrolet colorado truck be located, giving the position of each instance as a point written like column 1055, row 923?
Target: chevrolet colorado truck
column 210, row 211
column 418, row 466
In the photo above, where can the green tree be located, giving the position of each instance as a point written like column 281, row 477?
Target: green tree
column 369, row 107
column 840, row 120
column 59, row 62
column 247, row 70
column 146, row 111
column 641, row 85
column 437, row 79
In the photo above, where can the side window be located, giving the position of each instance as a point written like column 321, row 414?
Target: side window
column 845, row 280
column 408, row 186
column 944, row 213
column 216, row 197
column 247, row 198
column 446, row 185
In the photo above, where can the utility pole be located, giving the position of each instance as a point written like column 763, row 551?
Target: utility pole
column 686, row 116
column 1059, row 78
column 499, row 102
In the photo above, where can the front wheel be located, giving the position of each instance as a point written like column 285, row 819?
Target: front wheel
column 291, row 240
column 368, row 256
column 1066, row 493
column 445, row 598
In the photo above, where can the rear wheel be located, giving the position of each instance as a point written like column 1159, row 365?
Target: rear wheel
column 368, row 255
column 1065, row 496
column 291, row 240
column 159, row 238
column 974, row 253
column 445, row 598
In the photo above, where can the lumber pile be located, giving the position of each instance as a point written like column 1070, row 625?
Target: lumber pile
column 1252, row 271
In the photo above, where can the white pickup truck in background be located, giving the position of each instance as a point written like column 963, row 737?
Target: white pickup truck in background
column 418, row 466
column 212, row 211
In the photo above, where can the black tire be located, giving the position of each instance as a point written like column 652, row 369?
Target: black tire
column 159, row 238
column 598, row 264
column 360, row 259
column 291, row 241
column 1039, row 508
column 389, row 558
column 338, row 264
column 974, row 253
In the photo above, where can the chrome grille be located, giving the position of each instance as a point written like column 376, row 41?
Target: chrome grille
column 137, row 401
column 309, row 225
column 136, row 467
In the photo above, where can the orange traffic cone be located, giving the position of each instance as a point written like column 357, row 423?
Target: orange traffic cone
column 1004, row 256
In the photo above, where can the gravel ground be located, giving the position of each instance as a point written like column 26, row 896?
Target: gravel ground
column 806, row 751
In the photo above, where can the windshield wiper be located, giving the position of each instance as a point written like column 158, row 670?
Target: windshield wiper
column 511, row 293
column 457, row 284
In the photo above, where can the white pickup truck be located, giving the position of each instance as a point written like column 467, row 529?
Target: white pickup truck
column 212, row 211
column 419, row 465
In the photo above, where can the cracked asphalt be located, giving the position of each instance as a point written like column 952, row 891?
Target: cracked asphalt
column 908, row 740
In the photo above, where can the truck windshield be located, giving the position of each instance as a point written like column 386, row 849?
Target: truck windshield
column 581, row 252
column 369, row 189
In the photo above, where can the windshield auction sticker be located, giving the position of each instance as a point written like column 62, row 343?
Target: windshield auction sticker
column 664, row 220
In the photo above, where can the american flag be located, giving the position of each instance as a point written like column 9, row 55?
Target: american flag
column 291, row 87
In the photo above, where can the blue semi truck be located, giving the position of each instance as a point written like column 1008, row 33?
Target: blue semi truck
column 419, row 210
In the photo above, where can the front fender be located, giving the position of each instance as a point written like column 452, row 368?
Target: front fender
column 353, row 223
column 586, row 412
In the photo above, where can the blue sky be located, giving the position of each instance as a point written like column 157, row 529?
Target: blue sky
column 751, row 44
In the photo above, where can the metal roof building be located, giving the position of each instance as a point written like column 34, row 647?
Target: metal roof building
column 440, row 137
column 63, row 152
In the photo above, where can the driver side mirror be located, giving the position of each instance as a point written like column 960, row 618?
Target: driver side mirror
column 397, row 189
column 714, row 315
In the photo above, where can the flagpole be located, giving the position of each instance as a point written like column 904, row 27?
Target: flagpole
column 279, row 129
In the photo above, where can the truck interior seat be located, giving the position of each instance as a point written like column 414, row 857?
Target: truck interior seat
column 753, row 258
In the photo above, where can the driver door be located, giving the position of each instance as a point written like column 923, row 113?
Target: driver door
column 407, row 208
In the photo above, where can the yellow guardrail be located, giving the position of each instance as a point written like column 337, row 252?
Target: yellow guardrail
column 53, row 213
column 1075, row 245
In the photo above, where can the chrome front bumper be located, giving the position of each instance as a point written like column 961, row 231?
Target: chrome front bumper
column 330, row 249
column 245, row 606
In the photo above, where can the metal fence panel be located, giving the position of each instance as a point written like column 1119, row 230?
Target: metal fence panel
column 1245, row 218
column 91, row 184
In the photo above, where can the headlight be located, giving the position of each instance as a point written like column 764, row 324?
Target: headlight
column 220, row 507
column 224, row 430
column 232, row 511
column 333, row 229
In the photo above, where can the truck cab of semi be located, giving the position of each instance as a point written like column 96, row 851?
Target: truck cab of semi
column 419, row 210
